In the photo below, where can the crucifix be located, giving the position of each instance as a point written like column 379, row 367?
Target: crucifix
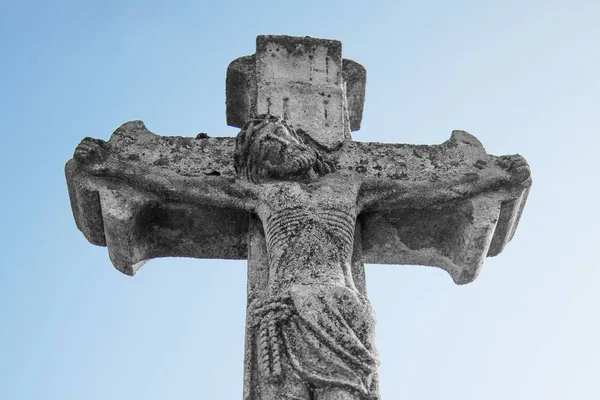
column 306, row 206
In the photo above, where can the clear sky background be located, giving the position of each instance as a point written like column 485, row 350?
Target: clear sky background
column 523, row 76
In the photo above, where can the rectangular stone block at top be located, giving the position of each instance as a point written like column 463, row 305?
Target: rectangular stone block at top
column 300, row 79
column 302, row 59
column 293, row 75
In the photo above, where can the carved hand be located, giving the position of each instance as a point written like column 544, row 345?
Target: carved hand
column 516, row 166
column 273, row 306
column 91, row 154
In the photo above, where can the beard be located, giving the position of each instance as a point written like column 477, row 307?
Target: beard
column 286, row 162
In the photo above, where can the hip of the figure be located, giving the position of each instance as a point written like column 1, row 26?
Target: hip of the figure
column 321, row 334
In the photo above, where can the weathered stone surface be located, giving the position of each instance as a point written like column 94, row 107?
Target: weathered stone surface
column 300, row 79
column 305, row 81
column 355, row 79
column 419, row 234
column 138, row 225
column 307, row 208
column 241, row 91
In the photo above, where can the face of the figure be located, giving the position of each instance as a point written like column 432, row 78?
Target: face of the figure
column 277, row 153
column 268, row 149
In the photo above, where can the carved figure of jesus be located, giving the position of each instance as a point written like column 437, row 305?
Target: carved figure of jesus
column 313, row 329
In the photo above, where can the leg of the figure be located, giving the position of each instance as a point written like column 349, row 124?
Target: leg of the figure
column 335, row 394
column 287, row 389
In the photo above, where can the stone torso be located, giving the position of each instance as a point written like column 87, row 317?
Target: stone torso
column 309, row 231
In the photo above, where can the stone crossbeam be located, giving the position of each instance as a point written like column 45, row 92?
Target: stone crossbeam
column 138, row 226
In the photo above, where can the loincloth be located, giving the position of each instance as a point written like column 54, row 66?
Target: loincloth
column 325, row 333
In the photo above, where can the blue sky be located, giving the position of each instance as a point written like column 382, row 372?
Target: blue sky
column 520, row 75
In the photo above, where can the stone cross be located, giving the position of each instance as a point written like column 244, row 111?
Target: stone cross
column 305, row 205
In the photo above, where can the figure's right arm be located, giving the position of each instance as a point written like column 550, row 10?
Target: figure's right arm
column 94, row 157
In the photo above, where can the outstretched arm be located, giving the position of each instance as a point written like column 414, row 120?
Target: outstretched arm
column 504, row 173
column 95, row 158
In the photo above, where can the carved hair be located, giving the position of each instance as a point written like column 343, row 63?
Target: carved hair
column 246, row 162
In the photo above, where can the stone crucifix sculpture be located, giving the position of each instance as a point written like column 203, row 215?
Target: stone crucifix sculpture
column 305, row 205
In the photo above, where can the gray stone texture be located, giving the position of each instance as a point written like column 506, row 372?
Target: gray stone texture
column 303, row 80
column 305, row 205
column 139, row 225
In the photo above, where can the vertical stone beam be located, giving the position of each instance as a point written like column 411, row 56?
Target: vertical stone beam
column 360, row 280
column 358, row 265
column 257, row 283
column 300, row 79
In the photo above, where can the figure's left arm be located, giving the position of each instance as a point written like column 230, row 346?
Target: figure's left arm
column 509, row 174
column 449, row 205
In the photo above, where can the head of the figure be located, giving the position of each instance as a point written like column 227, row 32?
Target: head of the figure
column 267, row 148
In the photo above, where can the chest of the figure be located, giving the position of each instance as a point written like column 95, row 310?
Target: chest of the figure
column 300, row 232
column 338, row 194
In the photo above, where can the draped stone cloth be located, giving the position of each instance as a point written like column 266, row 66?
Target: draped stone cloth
column 327, row 340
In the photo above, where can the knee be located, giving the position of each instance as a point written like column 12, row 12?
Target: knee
column 336, row 394
column 286, row 390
